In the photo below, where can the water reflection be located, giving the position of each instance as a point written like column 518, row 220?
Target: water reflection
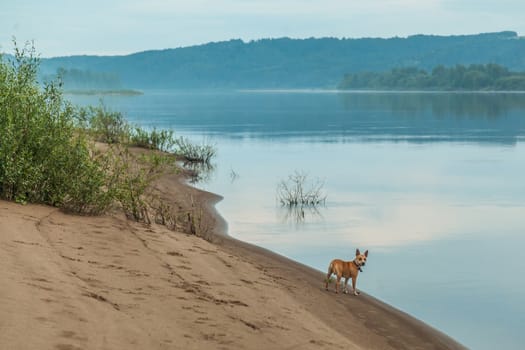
column 233, row 175
column 330, row 117
column 439, row 104
column 199, row 172
column 297, row 214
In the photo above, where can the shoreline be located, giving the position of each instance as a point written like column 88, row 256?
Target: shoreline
column 109, row 283
column 436, row 339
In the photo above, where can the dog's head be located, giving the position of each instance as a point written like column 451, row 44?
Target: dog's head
column 360, row 259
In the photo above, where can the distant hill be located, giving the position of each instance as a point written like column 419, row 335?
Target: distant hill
column 294, row 63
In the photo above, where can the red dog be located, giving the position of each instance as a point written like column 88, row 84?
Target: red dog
column 346, row 269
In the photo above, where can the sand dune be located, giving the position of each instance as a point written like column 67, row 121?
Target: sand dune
column 72, row 282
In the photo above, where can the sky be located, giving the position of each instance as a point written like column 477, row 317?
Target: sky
column 116, row 27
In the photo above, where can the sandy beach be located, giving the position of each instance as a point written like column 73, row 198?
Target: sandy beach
column 73, row 282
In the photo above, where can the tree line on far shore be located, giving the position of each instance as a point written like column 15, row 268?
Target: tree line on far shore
column 292, row 63
column 475, row 77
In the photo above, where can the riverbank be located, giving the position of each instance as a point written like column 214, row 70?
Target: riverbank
column 74, row 282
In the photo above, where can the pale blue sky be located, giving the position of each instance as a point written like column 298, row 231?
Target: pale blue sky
column 109, row 27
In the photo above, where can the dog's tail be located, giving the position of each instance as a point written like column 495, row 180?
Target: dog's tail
column 330, row 268
column 329, row 274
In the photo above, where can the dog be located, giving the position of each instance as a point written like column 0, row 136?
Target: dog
column 346, row 269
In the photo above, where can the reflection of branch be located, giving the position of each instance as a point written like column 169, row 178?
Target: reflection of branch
column 199, row 172
column 299, row 214
column 233, row 175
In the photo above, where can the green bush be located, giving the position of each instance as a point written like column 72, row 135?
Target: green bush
column 111, row 127
column 44, row 157
column 132, row 176
column 161, row 140
column 105, row 125
column 132, row 180
column 47, row 153
column 92, row 189
column 194, row 153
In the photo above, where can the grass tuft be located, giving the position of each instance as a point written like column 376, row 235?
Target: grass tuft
column 194, row 153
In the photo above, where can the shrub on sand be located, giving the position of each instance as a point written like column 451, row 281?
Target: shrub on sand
column 107, row 126
column 44, row 158
column 48, row 154
column 162, row 140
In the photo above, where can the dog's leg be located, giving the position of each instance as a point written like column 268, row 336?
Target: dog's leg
column 354, row 281
column 346, row 285
column 328, row 276
column 337, row 283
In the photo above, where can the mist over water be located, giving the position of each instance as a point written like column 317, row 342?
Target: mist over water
column 430, row 183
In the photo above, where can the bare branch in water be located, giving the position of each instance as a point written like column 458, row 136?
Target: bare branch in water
column 298, row 191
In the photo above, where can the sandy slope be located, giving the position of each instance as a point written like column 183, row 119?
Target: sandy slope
column 71, row 282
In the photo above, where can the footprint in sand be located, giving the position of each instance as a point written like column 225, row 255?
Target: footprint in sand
column 67, row 347
column 174, row 253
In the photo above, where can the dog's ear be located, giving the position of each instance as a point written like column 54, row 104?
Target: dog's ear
column 366, row 253
column 357, row 252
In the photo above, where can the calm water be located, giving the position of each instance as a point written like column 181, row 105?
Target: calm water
column 431, row 184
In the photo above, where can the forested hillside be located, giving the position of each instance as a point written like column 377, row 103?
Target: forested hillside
column 294, row 63
column 475, row 77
